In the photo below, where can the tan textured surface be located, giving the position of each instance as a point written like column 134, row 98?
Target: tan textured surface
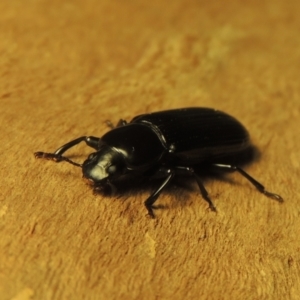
column 66, row 66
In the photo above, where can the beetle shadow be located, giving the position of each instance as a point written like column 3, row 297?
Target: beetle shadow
column 182, row 185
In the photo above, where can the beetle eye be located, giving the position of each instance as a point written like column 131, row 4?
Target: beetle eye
column 111, row 169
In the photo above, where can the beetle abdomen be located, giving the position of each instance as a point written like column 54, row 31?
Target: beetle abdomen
column 199, row 133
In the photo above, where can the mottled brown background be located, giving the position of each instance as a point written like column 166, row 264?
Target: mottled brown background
column 66, row 67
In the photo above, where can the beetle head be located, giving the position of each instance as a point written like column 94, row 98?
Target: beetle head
column 104, row 164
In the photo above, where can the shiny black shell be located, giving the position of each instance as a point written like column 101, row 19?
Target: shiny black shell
column 187, row 136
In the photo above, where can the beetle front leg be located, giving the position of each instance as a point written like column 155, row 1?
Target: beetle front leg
column 259, row 186
column 151, row 200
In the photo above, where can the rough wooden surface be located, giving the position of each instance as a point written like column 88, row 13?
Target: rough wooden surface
column 66, row 67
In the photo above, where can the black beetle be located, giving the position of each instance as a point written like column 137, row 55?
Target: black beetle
column 163, row 144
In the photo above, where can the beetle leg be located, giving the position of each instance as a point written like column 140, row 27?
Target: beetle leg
column 107, row 188
column 153, row 197
column 259, row 186
column 109, row 124
column 203, row 190
column 119, row 124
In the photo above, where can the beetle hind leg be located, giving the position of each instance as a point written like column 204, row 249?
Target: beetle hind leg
column 259, row 186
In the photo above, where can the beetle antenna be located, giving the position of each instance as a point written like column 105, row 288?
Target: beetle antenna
column 56, row 158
